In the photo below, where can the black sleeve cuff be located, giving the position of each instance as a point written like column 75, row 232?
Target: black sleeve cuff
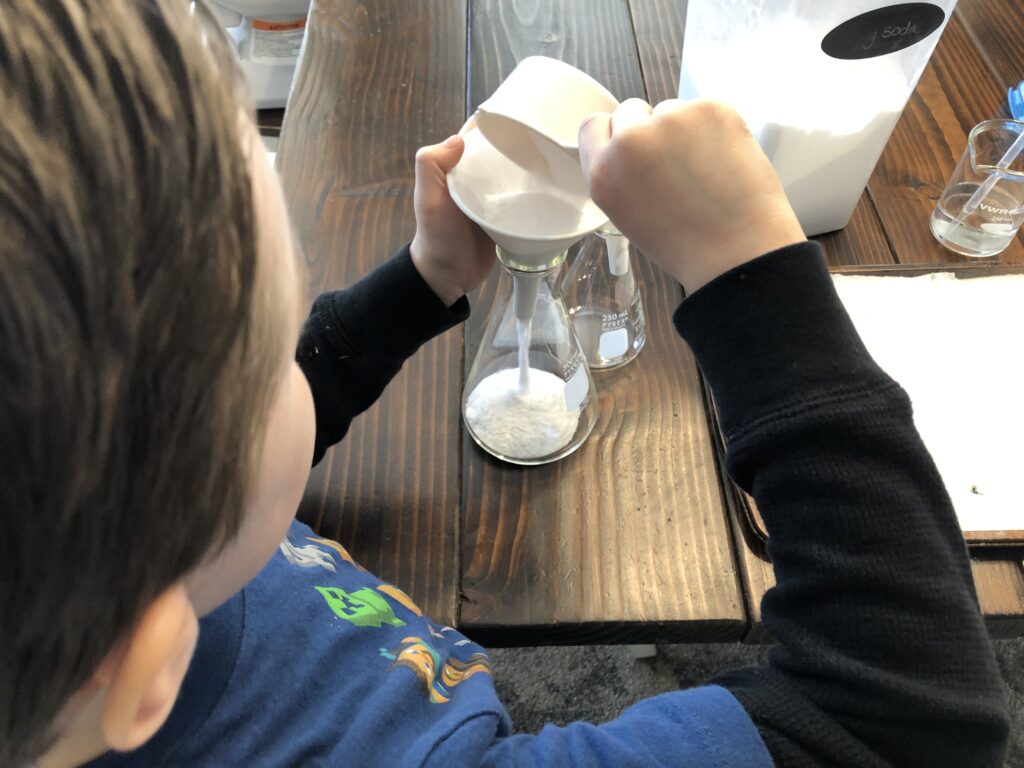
column 388, row 314
column 773, row 333
column 355, row 340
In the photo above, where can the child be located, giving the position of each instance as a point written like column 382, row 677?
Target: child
column 159, row 604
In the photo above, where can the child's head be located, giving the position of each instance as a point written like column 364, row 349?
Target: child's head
column 155, row 434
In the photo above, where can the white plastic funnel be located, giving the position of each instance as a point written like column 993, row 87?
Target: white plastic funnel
column 533, row 214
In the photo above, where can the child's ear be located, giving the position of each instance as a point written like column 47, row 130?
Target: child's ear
column 143, row 674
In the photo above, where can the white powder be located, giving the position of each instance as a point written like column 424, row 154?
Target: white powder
column 953, row 344
column 824, row 172
column 521, row 426
column 531, row 213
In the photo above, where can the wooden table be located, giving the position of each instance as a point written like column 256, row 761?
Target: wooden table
column 634, row 538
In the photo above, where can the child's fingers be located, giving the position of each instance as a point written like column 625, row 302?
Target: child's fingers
column 630, row 113
column 668, row 106
column 595, row 133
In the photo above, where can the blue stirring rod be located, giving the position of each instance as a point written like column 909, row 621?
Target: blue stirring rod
column 1016, row 98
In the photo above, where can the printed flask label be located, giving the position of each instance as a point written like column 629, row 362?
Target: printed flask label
column 577, row 387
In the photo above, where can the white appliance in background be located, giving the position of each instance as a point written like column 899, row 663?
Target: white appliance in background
column 820, row 84
column 269, row 35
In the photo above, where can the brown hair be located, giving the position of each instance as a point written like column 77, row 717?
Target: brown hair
column 137, row 360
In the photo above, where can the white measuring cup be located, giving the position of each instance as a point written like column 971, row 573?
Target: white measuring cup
column 533, row 213
column 542, row 101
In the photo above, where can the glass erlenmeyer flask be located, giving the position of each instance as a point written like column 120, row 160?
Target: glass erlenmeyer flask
column 602, row 295
column 529, row 397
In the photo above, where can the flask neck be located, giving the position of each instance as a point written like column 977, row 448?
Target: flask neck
column 526, row 288
column 537, row 265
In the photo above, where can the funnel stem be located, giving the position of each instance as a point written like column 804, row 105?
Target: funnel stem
column 524, row 294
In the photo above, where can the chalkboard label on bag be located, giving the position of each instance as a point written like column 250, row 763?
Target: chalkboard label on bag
column 883, row 31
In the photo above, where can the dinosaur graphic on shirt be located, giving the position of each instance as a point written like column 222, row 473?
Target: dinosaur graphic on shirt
column 438, row 678
column 312, row 556
column 342, row 552
column 308, row 556
column 367, row 607
column 363, row 608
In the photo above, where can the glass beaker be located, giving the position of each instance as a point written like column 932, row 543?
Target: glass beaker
column 602, row 295
column 529, row 397
column 982, row 207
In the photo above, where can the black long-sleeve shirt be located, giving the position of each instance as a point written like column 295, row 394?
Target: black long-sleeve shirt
column 883, row 658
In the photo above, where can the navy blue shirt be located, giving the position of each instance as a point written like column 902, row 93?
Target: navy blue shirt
column 318, row 662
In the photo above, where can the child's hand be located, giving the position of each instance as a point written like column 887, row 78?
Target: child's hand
column 688, row 184
column 451, row 252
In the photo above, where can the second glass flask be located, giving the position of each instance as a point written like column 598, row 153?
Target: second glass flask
column 603, row 299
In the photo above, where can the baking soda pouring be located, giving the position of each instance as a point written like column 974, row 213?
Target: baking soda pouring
column 529, row 396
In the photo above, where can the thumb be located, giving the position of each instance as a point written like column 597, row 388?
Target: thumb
column 443, row 157
column 595, row 133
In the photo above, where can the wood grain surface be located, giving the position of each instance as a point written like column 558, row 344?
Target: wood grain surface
column 626, row 540
column 376, row 81
column 995, row 28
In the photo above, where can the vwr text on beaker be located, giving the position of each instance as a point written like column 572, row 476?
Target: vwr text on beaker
column 994, row 209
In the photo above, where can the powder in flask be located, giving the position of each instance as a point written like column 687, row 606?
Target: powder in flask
column 519, row 425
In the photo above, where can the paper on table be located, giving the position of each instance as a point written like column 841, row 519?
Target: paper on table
column 955, row 345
